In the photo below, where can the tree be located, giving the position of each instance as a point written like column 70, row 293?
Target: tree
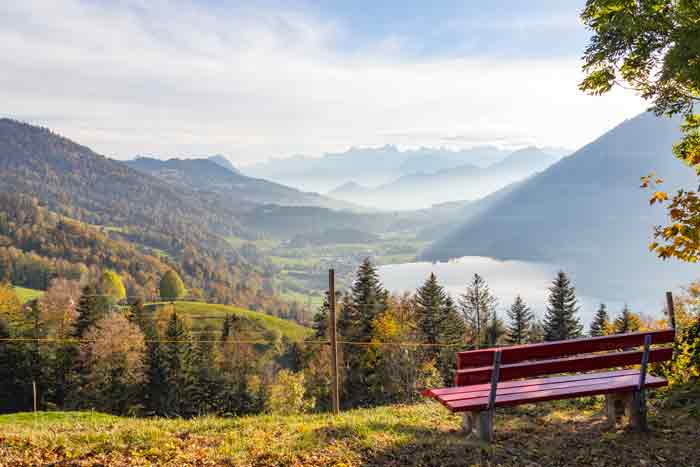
column 91, row 308
column 177, row 363
column 560, row 321
column 627, row 321
column 601, row 322
column 59, row 306
column 111, row 284
column 10, row 306
column 288, row 394
column 651, row 46
column 536, row 332
column 366, row 301
column 112, row 355
column 521, row 319
column 171, row 286
column 478, row 304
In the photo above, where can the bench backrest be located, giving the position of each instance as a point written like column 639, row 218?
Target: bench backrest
column 575, row 355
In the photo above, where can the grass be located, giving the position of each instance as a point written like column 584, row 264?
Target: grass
column 26, row 295
column 556, row 434
column 257, row 325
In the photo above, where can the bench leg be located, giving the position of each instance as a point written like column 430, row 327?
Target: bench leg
column 615, row 407
column 468, row 419
column 638, row 411
column 486, row 425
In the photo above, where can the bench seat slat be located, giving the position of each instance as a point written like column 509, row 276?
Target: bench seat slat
column 519, row 353
column 560, row 365
column 595, row 387
column 468, row 393
column 528, row 382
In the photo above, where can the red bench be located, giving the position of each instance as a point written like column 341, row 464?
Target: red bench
column 497, row 377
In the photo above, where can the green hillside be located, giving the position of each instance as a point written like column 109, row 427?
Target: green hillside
column 25, row 294
column 415, row 435
column 256, row 325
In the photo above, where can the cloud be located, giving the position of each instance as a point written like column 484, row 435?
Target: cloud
column 175, row 78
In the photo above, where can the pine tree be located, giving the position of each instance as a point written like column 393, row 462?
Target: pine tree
column 91, row 308
column 478, row 305
column 366, row 301
column 536, row 332
column 601, row 322
column 627, row 321
column 205, row 392
column 560, row 321
column 520, row 321
column 171, row 286
column 438, row 322
column 320, row 324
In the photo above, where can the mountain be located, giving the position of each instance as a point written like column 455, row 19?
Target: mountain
column 463, row 182
column 586, row 213
column 69, row 183
column 224, row 162
column 348, row 188
column 205, row 175
column 368, row 166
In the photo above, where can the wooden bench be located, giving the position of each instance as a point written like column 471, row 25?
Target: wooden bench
column 497, row 377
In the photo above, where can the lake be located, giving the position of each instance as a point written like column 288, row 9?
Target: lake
column 506, row 279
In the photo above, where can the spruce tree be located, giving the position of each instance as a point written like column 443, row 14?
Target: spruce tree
column 91, row 308
column 560, row 320
column 177, row 359
column 627, row 321
column 601, row 322
column 495, row 330
column 438, row 322
column 365, row 302
column 478, row 305
column 520, row 322
column 536, row 332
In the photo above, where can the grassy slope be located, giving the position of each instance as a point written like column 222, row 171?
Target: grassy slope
column 256, row 324
column 25, row 294
column 421, row 435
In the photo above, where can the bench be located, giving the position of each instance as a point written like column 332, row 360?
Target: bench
column 507, row 376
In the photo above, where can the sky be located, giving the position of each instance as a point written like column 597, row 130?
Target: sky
column 269, row 79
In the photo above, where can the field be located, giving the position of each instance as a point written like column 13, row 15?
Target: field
column 557, row 434
column 26, row 295
column 257, row 325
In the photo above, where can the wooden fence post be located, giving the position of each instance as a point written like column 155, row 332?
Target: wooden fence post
column 335, row 386
column 671, row 309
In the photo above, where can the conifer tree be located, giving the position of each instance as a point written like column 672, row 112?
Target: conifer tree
column 91, row 308
column 438, row 322
column 478, row 305
column 627, row 321
column 560, row 320
column 366, row 301
column 521, row 319
column 177, row 361
column 207, row 380
column 601, row 322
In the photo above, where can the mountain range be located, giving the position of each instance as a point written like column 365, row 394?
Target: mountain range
column 368, row 166
column 463, row 182
column 586, row 213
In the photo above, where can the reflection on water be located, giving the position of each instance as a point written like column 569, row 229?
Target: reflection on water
column 506, row 280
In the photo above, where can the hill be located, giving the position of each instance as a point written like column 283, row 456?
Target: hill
column 205, row 175
column 416, row 435
column 252, row 325
column 587, row 214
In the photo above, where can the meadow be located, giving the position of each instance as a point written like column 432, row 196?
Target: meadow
column 423, row 434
